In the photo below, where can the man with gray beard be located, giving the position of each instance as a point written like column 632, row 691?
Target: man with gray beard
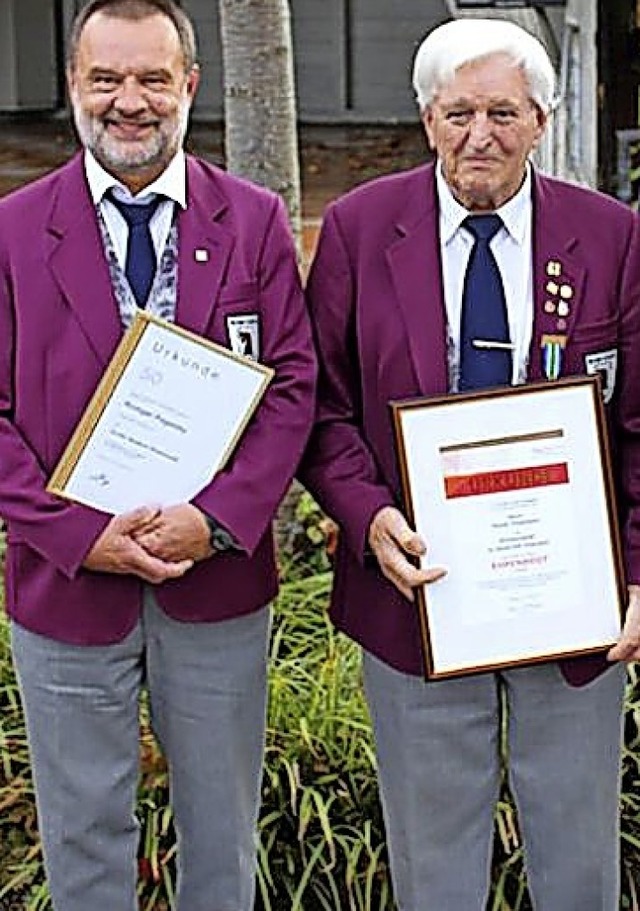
column 174, row 599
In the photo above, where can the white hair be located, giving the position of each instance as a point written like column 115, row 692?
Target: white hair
column 462, row 41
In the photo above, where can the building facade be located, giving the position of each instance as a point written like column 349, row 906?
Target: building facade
column 352, row 59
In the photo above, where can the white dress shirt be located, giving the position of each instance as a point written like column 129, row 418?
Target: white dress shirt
column 171, row 184
column 512, row 249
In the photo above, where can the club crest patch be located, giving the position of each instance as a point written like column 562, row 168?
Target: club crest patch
column 604, row 363
column 243, row 333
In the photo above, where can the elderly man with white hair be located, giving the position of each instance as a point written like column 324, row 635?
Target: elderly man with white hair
column 388, row 297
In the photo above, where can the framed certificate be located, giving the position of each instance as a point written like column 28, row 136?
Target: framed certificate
column 163, row 420
column 512, row 492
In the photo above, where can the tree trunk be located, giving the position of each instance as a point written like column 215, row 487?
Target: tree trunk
column 259, row 97
column 261, row 139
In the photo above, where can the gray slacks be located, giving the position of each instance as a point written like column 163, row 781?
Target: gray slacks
column 439, row 771
column 207, row 692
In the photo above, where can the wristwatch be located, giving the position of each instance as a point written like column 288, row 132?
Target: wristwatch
column 220, row 540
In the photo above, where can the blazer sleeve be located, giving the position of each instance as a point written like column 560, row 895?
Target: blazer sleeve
column 626, row 427
column 61, row 532
column 339, row 468
column 245, row 495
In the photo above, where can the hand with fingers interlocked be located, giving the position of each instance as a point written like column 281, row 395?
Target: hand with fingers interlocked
column 177, row 533
column 116, row 550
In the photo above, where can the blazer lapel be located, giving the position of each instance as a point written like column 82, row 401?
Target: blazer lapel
column 414, row 261
column 76, row 258
column 558, row 278
column 205, row 246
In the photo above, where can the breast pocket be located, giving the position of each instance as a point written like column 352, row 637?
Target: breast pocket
column 600, row 334
column 237, row 293
column 594, row 351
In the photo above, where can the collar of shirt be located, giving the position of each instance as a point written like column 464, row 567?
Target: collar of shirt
column 514, row 213
column 171, row 185
column 512, row 249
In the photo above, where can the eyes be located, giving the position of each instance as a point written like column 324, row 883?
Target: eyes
column 109, row 82
column 503, row 116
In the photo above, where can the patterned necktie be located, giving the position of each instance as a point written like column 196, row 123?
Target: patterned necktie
column 140, row 264
column 485, row 352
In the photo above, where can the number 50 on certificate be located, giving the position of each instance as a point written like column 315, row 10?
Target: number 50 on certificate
column 512, row 491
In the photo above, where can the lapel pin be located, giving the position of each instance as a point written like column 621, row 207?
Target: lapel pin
column 551, row 288
column 549, row 307
column 563, row 308
column 566, row 291
column 553, row 267
column 201, row 256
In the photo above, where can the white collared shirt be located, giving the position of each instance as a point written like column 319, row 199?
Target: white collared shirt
column 512, row 248
column 172, row 184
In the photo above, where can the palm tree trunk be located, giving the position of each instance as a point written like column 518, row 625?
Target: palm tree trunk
column 259, row 97
column 261, row 139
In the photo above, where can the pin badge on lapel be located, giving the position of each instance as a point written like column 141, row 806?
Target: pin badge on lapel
column 558, row 294
column 201, row 256
column 243, row 332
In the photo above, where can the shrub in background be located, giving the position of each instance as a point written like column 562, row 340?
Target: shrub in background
column 321, row 839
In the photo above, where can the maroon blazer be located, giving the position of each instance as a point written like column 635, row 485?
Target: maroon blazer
column 376, row 298
column 59, row 326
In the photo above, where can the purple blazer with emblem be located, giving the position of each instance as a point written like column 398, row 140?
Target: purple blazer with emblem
column 376, row 298
column 59, row 325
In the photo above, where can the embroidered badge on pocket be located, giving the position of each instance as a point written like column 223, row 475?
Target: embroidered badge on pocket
column 243, row 332
column 605, row 363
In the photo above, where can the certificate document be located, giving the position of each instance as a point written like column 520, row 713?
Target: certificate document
column 512, row 492
column 164, row 419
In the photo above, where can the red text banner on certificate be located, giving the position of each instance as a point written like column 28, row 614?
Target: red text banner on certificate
column 488, row 482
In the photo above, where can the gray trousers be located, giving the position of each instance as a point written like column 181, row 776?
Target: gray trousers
column 207, row 691
column 439, row 771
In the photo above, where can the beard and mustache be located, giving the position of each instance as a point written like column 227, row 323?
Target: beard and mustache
column 120, row 156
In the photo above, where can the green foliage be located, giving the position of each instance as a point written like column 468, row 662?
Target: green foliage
column 306, row 540
column 321, row 837
column 321, row 843
column 21, row 877
column 631, row 794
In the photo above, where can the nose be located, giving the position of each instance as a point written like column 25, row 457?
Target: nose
column 130, row 98
column 480, row 129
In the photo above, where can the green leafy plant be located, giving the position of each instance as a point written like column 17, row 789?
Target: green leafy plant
column 321, row 835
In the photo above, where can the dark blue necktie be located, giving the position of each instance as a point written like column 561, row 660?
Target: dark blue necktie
column 484, row 313
column 140, row 264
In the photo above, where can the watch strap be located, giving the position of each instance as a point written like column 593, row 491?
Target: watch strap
column 220, row 540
